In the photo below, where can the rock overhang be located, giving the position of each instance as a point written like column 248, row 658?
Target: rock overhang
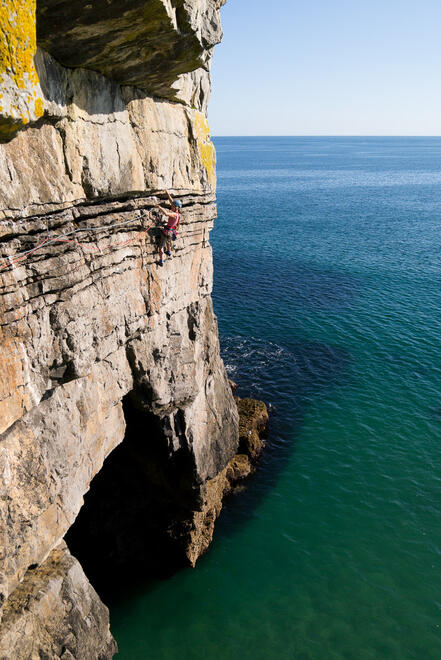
column 145, row 44
column 161, row 47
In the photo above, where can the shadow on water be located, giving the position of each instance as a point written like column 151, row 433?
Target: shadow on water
column 314, row 369
column 294, row 285
column 288, row 372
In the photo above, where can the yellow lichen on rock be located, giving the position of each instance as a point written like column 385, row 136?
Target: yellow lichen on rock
column 21, row 94
column 205, row 146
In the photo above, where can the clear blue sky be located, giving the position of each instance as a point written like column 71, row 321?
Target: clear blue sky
column 328, row 67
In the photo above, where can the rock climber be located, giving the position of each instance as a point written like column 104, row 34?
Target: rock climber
column 168, row 233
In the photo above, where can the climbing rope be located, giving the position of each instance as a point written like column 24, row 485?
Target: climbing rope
column 8, row 262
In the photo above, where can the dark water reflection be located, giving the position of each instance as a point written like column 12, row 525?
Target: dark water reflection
column 289, row 379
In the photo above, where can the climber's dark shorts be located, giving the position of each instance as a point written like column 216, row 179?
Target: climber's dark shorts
column 164, row 239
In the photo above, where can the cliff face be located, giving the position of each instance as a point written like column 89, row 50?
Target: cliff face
column 95, row 337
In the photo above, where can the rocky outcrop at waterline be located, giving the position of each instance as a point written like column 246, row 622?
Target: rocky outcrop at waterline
column 99, row 347
column 253, row 420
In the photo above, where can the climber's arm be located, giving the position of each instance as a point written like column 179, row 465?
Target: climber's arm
column 169, row 214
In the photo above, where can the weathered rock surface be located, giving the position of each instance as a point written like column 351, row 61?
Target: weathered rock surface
column 55, row 613
column 91, row 328
column 97, row 141
column 78, row 334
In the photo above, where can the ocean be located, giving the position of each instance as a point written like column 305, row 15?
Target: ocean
column 327, row 291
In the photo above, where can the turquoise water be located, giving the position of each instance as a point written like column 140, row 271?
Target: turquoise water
column 327, row 289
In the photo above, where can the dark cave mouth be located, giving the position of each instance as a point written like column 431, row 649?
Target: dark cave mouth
column 135, row 518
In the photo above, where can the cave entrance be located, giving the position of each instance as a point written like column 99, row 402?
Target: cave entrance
column 136, row 515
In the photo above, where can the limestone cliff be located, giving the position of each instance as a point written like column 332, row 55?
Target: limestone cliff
column 95, row 338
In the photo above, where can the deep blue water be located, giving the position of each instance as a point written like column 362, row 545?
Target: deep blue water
column 327, row 290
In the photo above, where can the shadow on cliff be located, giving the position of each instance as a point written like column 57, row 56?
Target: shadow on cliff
column 88, row 90
column 135, row 514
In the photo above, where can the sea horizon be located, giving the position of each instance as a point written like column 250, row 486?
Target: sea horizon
column 330, row 136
